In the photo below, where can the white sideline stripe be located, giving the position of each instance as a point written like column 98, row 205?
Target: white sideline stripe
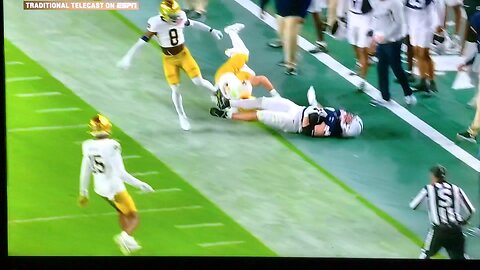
column 201, row 225
column 131, row 156
column 58, row 110
column 46, row 128
column 145, row 173
column 14, row 63
column 38, row 94
column 160, row 190
column 400, row 111
column 226, row 243
column 19, row 79
column 167, row 209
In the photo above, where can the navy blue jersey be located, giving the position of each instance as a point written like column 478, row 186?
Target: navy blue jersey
column 289, row 7
column 418, row 4
column 332, row 120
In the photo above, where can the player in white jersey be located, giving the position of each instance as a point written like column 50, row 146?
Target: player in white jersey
column 284, row 115
column 316, row 7
column 102, row 158
column 167, row 28
column 359, row 19
column 423, row 21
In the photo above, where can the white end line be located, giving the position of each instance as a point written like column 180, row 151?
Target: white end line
column 166, row 209
column 201, row 225
column 14, row 63
column 58, row 110
column 131, row 156
column 19, row 79
column 38, row 94
column 144, row 173
column 46, row 128
column 225, row 243
column 373, row 92
column 160, row 191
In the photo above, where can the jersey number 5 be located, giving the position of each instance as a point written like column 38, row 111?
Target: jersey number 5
column 97, row 164
column 173, row 36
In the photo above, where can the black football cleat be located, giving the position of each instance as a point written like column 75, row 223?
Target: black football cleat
column 433, row 86
column 218, row 113
column 291, row 71
column 222, row 102
column 466, row 136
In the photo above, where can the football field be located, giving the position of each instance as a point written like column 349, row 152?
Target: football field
column 224, row 187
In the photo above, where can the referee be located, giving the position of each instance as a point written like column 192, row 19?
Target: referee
column 446, row 203
column 388, row 30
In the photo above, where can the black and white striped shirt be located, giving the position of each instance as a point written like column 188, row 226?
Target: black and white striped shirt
column 447, row 204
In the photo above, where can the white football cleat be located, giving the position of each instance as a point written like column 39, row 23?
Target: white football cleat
column 311, row 96
column 122, row 244
column 184, row 124
column 236, row 27
column 411, row 100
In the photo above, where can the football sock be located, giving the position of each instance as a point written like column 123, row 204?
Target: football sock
column 247, row 103
column 199, row 81
column 177, row 100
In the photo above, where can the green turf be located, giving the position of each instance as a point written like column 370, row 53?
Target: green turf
column 43, row 171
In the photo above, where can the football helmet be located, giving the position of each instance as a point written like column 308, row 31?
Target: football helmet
column 100, row 125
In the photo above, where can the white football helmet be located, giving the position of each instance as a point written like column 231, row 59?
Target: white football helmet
column 352, row 129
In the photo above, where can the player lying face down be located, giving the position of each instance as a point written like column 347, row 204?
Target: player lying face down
column 283, row 114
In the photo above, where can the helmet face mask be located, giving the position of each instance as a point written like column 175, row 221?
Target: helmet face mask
column 100, row 126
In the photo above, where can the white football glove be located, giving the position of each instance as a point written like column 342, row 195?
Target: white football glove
column 125, row 62
column 145, row 187
column 217, row 34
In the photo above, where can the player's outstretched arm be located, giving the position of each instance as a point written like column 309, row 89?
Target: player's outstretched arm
column 85, row 173
column 418, row 199
column 117, row 163
column 127, row 59
column 203, row 27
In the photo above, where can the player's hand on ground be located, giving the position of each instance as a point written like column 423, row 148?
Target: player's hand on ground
column 217, row 34
column 82, row 201
column 124, row 63
column 145, row 187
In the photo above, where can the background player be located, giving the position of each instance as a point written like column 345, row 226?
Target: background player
column 168, row 28
column 422, row 20
column 102, row 158
column 285, row 115
column 358, row 28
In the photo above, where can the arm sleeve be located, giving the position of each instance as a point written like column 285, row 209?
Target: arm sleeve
column 199, row 25
column 418, row 199
column 117, row 163
column 85, row 173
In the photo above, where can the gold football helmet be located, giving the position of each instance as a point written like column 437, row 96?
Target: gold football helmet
column 169, row 10
column 100, row 125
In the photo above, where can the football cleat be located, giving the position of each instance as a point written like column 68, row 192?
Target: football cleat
column 379, row 102
column 275, row 43
column 432, row 86
column 320, row 46
column 291, row 71
column 122, row 244
column 361, row 86
column 467, row 136
column 222, row 102
column 184, row 124
column 218, row 113
column 411, row 100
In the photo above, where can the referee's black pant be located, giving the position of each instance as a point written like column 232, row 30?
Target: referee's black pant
column 451, row 239
column 388, row 55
